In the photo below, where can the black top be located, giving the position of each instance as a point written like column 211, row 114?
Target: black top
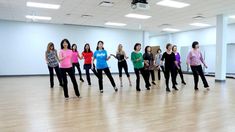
column 150, row 59
column 120, row 57
column 169, row 59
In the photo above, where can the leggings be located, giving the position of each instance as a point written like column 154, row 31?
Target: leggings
column 123, row 65
column 169, row 70
column 58, row 73
column 198, row 70
column 79, row 69
column 145, row 75
column 108, row 74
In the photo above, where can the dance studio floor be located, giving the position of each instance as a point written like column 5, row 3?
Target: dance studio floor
column 27, row 104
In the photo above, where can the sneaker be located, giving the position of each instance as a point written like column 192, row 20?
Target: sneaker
column 168, row 90
column 101, row 91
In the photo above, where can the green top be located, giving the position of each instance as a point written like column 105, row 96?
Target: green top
column 134, row 58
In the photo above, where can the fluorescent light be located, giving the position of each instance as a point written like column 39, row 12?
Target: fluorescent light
column 42, row 5
column 38, row 17
column 199, row 24
column 232, row 17
column 173, row 4
column 137, row 16
column 115, row 24
column 170, row 30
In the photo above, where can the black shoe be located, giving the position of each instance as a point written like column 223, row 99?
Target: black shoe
column 176, row 83
column 101, row 91
column 153, row 83
column 196, row 89
column 52, row 86
column 138, row 89
column 148, row 88
column 168, row 90
column 81, row 80
column 184, row 82
column 115, row 88
column 61, row 85
column 174, row 87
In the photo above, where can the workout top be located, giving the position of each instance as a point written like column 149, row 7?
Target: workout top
column 52, row 59
column 120, row 57
column 169, row 60
column 101, row 59
column 195, row 58
column 75, row 57
column 137, row 64
column 67, row 61
column 87, row 57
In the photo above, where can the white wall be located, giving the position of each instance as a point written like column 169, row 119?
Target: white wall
column 23, row 44
column 206, row 38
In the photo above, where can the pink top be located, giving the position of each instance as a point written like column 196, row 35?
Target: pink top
column 75, row 57
column 67, row 61
column 195, row 58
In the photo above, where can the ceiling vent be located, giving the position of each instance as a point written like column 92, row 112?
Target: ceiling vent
column 106, row 4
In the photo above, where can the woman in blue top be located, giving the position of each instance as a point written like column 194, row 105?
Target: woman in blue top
column 101, row 58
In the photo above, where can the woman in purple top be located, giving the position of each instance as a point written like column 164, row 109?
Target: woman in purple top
column 194, row 60
column 177, row 58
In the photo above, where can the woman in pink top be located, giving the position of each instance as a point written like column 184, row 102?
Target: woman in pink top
column 75, row 61
column 194, row 60
column 65, row 57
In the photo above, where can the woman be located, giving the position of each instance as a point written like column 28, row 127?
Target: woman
column 66, row 66
column 137, row 59
column 194, row 60
column 170, row 67
column 87, row 55
column 177, row 57
column 121, row 57
column 101, row 58
column 52, row 62
column 158, row 58
column 75, row 61
column 149, row 63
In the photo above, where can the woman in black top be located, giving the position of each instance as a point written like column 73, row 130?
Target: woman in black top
column 149, row 64
column 121, row 57
column 170, row 67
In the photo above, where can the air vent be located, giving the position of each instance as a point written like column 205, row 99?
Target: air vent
column 198, row 17
column 86, row 16
column 106, row 4
column 164, row 25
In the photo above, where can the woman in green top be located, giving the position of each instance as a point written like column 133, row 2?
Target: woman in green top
column 137, row 59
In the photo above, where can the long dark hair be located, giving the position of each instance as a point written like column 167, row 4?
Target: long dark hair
column 146, row 49
column 97, row 48
column 67, row 41
column 76, row 47
column 89, row 50
column 194, row 44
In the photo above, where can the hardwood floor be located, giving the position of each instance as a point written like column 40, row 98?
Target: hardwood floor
column 27, row 104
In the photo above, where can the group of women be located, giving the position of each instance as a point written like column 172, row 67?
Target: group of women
column 67, row 60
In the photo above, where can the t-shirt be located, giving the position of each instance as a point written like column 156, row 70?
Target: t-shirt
column 137, row 64
column 52, row 59
column 169, row 59
column 87, row 57
column 67, row 61
column 148, row 57
column 75, row 57
column 101, row 59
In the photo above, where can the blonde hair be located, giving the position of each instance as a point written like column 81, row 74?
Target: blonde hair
column 120, row 50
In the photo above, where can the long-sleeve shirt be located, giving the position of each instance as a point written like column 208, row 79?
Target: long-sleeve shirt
column 195, row 58
column 177, row 57
column 137, row 60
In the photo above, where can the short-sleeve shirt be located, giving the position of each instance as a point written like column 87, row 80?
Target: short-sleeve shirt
column 87, row 57
column 101, row 59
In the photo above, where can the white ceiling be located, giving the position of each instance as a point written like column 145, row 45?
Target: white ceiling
column 178, row 18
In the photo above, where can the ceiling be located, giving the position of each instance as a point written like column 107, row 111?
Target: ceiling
column 72, row 10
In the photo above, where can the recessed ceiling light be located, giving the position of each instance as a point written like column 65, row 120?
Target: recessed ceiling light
column 42, row 5
column 38, row 17
column 137, row 16
column 199, row 24
column 106, row 4
column 115, row 24
column 173, row 4
column 232, row 17
column 170, row 30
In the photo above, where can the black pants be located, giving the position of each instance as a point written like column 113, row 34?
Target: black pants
column 198, row 70
column 100, row 77
column 71, row 74
column 152, row 75
column 58, row 74
column 168, row 71
column 77, row 65
column 145, row 74
column 123, row 65
column 180, row 72
column 87, row 68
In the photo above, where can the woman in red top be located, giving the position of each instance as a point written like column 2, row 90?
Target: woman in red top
column 87, row 55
